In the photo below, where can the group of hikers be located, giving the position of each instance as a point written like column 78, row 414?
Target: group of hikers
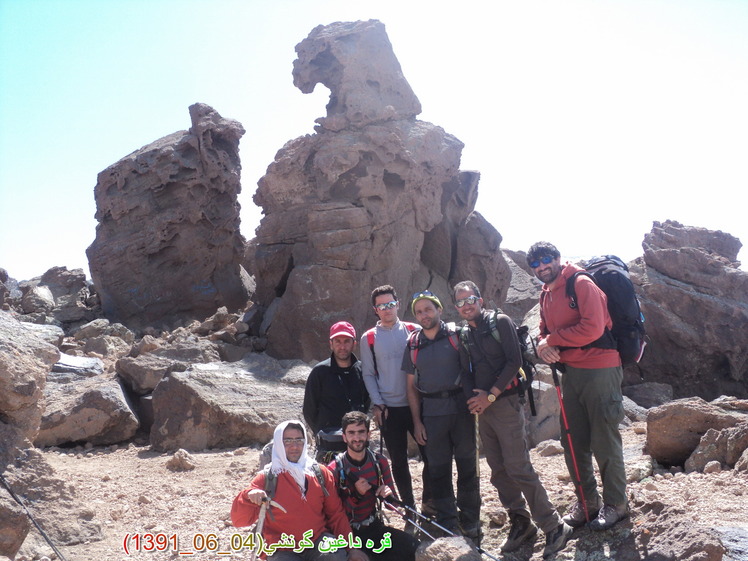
column 436, row 381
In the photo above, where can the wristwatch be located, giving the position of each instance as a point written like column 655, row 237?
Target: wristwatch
column 491, row 397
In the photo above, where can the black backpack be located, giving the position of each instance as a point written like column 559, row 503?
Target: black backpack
column 611, row 274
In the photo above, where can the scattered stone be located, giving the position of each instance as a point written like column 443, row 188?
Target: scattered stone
column 549, row 448
column 181, row 460
column 447, row 549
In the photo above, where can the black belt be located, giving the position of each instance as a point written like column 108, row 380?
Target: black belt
column 447, row 393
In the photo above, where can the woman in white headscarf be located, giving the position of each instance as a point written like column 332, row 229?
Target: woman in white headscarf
column 299, row 482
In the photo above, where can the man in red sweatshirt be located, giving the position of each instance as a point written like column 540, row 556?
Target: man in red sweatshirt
column 570, row 335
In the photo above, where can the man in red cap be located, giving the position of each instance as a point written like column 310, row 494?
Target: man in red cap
column 334, row 387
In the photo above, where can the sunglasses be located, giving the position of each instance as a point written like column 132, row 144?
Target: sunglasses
column 385, row 306
column 544, row 260
column 469, row 300
column 422, row 294
column 296, row 441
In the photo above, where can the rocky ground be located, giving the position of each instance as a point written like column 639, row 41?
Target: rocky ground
column 135, row 498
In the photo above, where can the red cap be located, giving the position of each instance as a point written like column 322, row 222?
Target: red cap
column 342, row 329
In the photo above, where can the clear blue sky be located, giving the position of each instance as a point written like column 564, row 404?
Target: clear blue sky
column 588, row 119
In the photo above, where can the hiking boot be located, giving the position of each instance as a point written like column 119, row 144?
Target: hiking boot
column 472, row 532
column 521, row 530
column 575, row 517
column 608, row 516
column 428, row 509
column 556, row 540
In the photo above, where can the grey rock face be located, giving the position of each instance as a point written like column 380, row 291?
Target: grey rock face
column 356, row 62
column 674, row 430
column 167, row 245
column 223, row 405
column 86, row 409
column 374, row 197
column 25, row 360
column 693, row 297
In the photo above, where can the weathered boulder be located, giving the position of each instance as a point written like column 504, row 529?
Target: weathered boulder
column 70, row 368
column 226, row 405
column 86, row 409
column 14, row 524
column 25, row 360
column 52, row 334
column 158, row 357
column 168, row 247
column 101, row 327
column 374, row 197
column 723, row 446
column 693, row 297
column 675, row 428
column 633, row 411
column 51, row 501
column 649, row 394
column 545, row 425
column 59, row 296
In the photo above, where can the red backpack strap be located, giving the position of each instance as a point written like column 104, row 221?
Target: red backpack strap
column 411, row 327
column 413, row 346
column 371, row 336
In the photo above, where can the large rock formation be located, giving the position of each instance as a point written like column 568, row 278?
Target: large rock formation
column 167, row 245
column 374, row 197
column 693, row 297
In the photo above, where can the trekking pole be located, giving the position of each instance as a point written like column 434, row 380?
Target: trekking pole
column 407, row 520
column 33, row 520
column 442, row 528
column 477, row 448
column 567, row 434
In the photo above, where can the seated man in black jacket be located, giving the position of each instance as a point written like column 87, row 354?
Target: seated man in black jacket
column 334, row 387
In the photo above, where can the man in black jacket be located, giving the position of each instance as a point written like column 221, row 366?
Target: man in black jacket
column 334, row 387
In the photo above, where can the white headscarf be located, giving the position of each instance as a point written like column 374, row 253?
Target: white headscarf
column 280, row 463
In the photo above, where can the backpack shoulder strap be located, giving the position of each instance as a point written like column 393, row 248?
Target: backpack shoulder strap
column 321, row 478
column 371, row 336
column 271, row 482
column 453, row 330
column 571, row 292
column 493, row 326
column 411, row 327
column 377, row 466
column 413, row 346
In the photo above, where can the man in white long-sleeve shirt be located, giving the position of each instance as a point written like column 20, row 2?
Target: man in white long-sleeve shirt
column 381, row 351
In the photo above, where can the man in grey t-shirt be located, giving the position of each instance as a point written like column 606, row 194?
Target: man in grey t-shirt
column 381, row 357
column 441, row 418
